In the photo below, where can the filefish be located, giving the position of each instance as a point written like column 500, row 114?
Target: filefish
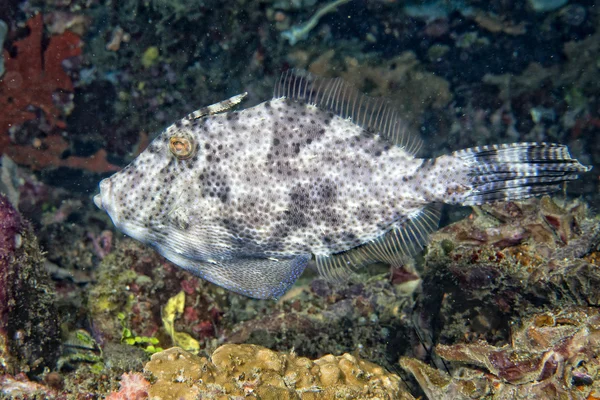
column 320, row 174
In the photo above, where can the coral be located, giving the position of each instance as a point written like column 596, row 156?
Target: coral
column 250, row 370
column 35, row 80
column 555, row 354
column 130, row 339
column 133, row 387
column 34, row 75
column 150, row 57
column 29, row 325
column 49, row 153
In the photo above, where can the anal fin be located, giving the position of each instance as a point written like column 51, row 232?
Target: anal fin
column 404, row 239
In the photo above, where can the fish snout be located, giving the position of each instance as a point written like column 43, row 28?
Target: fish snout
column 102, row 200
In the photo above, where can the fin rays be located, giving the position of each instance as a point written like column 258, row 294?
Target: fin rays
column 517, row 171
column 403, row 240
column 337, row 96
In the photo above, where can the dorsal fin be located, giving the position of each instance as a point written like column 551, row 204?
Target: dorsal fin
column 403, row 240
column 336, row 95
column 217, row 107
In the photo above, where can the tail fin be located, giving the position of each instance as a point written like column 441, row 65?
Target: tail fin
column 517, row 171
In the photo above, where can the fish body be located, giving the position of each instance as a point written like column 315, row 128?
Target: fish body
column 246, row 199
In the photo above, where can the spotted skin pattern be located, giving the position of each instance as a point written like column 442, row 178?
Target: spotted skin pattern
column 267, row 188
column 317, row 184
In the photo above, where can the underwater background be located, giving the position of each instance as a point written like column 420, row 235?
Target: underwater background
column 503, row 303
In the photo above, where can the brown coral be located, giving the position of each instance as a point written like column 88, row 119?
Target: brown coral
column 257, row 372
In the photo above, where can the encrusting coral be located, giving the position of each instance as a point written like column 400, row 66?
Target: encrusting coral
column 256, row 372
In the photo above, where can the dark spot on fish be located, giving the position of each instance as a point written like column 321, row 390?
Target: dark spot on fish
column 349, row 236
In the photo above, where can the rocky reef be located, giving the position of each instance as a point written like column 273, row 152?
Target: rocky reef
column 30, row 336
column 506, row 261
column 552, row 355
column 502, row 303
column 135, row 287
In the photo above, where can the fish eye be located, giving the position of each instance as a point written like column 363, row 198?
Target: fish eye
column 181, row 147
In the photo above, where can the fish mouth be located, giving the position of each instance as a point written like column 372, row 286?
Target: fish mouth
column 102, row 199
column 98, row 201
